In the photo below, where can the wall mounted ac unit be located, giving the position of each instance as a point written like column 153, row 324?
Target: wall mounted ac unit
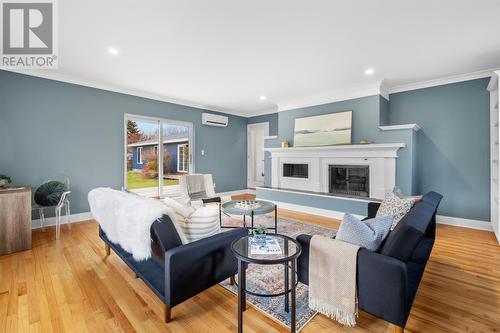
column 214, row 120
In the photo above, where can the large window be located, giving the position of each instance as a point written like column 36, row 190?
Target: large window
column 156, row 154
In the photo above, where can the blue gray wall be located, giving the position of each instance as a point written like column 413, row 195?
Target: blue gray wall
column 365, row 122
column 49, row 127
column 450, row 154
column 272, row 119
column 453, row 146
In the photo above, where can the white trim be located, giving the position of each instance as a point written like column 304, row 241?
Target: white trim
column 51, row 221
column 140, row 144
column 138, row 158
column 448, row 220
column 271, row 137
column 250, row 165
column 414, row 127
column 442, row 81
column 330, row 97
column 382, row 89
column 493, row 84
column 324, row 195
column 161, row 122
column 53, row 75
column 368, row 147
column 465, row 223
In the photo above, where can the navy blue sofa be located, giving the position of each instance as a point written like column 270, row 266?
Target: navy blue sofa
column 387, row 280
column 178, row 272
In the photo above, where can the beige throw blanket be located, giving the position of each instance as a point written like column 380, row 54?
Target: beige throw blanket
column 332, row 279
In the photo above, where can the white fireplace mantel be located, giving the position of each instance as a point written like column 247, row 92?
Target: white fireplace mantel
column 381, row 159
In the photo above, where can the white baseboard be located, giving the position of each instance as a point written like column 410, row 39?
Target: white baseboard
column 51, row 221
column 449, row 220
column 465, row 223
column 454, row 221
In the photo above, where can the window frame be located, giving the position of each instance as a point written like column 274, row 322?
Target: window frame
column 161, row 122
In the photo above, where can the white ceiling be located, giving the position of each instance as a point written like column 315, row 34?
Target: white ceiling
column 224, row 54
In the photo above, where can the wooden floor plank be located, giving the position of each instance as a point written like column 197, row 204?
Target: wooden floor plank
column 69, row 285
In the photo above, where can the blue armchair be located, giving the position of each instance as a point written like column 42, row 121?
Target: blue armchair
column 388, row 280
column 178, row 272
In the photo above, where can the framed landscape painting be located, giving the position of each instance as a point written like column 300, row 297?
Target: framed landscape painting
column 325, row 130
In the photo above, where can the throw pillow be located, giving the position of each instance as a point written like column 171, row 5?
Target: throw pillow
column 395, row 206
column 49, row 193
column 178, row 208
column 368, row 233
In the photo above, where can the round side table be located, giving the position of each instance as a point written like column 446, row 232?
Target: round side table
column 290, row 251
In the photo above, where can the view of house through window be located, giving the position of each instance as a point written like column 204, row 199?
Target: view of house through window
column 151, row 170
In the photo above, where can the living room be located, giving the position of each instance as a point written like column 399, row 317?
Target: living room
column 227, row 166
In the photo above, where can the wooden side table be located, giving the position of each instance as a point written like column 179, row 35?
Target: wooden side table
column 15, row 220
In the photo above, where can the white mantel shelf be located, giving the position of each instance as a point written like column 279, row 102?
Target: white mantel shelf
column 366, row 150
column 380, row 158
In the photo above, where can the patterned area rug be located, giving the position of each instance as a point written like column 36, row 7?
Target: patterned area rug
column 269, row 279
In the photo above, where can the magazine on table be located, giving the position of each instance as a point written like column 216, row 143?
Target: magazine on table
column 264, row 245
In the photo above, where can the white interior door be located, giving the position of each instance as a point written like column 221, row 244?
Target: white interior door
column 255, row 152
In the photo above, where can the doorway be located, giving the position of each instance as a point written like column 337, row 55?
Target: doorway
column 255, row 153
column 157, row 153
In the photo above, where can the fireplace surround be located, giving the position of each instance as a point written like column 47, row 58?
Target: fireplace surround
column 378, row 161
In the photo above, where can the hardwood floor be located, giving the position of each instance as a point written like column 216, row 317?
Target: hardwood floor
column 69, row 286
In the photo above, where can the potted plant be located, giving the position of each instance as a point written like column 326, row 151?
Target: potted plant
column 4, row 180
column 260, row 231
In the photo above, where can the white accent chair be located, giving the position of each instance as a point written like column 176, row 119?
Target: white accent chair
column 200, row 198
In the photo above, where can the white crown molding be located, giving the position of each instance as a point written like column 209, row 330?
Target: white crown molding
column 384, row 90
column 55, row 76
column 334, row 96
column 414, row 127
column 442, row 81
column 381, row 88
column 493, row 84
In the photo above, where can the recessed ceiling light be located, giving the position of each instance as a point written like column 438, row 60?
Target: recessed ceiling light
column 113, row 51
column 262, row 97
column 369, row 71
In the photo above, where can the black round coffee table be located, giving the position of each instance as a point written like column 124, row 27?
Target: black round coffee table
column 246, row 254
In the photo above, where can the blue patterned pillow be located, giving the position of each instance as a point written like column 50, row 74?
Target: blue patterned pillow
column 368, row 234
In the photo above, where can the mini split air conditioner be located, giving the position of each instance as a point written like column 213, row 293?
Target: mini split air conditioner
column 214, row 120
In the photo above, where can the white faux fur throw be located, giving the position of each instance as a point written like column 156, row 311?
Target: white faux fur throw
column 332, row 279
column 126, row 219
